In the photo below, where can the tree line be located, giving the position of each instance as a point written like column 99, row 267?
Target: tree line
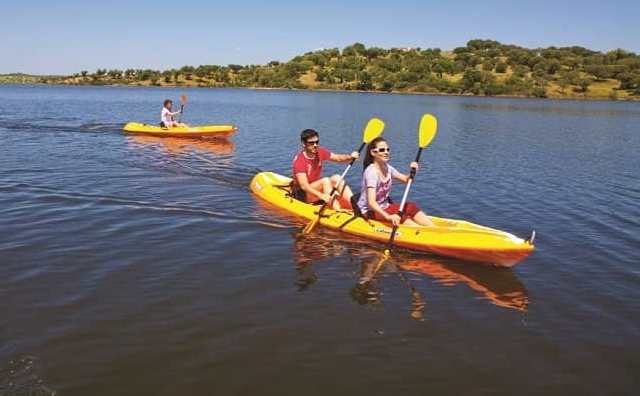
column 482, row 67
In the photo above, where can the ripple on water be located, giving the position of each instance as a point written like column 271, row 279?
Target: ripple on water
column 22, row 376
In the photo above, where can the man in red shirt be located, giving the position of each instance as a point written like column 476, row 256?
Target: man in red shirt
column 308, row 183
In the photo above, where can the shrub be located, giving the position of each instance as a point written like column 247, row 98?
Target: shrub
column 501, row 67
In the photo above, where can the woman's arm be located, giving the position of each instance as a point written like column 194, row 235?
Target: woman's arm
column 373, row 205
column 402, row 177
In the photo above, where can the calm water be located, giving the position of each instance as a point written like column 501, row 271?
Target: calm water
column 138, row 266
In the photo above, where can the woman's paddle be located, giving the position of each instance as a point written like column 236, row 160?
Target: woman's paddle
column 426, row 133
column 183, row 101
column 373, row 129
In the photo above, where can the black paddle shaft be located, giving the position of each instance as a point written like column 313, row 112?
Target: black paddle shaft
column 359, row 151
column 412, row 174
column 335, row 188
column 181, row 111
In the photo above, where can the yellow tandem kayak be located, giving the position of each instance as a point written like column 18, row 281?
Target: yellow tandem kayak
column 212, row 131
column 452, row 238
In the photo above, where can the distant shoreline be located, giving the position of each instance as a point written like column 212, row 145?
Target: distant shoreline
column 329, row 90
column 602, row 99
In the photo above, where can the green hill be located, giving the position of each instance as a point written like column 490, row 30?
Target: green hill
column 482, row 67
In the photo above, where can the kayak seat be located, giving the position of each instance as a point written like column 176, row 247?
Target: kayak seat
column 354, row 205
column 356, row 210
column 293, row 193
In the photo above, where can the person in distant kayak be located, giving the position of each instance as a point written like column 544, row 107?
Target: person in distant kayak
column 167, row 117
column 376, row 186
column 308, row 184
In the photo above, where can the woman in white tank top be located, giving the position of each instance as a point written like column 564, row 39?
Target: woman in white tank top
column 167, row 119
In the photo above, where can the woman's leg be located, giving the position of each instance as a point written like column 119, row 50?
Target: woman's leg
column 416, row 216
column 422, row 219
column 413, row 216
column 409, row 222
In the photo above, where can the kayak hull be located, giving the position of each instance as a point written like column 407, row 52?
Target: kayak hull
column 210, row 131
column 451, row 238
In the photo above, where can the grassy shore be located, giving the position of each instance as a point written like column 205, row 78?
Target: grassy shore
column 598, row 90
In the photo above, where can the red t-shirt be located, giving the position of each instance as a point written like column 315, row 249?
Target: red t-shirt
column 311, row 167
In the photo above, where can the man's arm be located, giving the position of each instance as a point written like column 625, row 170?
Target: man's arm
column 344, row 157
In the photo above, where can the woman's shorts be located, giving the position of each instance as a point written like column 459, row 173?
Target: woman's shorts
column 410, row 210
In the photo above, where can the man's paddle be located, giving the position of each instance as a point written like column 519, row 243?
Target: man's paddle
column 426, row 133
column 183, row 101
column 373, row 129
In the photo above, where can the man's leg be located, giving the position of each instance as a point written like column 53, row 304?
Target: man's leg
column 344, row 192
column 323, row 184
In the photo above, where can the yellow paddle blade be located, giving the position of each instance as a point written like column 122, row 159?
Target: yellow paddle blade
column 309, row 227
column 427, row 131
column 382, row 260
column 183, row 99
column 374, row 128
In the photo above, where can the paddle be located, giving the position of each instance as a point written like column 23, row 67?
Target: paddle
column 373, row 129
column 417, row 300
column 426, row 133
column 183, row 101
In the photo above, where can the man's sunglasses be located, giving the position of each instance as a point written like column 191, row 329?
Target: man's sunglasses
column 313, row 142
column 382, row 150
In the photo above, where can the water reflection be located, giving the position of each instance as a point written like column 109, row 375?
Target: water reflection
column 367, row 291
column 500, row 286
column 175, row 146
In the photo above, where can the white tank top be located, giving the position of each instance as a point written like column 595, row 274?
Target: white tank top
column 166, row 117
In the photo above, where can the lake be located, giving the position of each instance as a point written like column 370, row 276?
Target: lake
column 137, row 265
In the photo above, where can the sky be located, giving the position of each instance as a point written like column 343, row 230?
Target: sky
column 68, row 36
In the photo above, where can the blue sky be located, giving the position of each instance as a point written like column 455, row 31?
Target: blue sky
column 67, row 36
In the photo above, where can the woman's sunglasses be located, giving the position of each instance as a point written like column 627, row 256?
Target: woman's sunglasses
column 382, row 150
